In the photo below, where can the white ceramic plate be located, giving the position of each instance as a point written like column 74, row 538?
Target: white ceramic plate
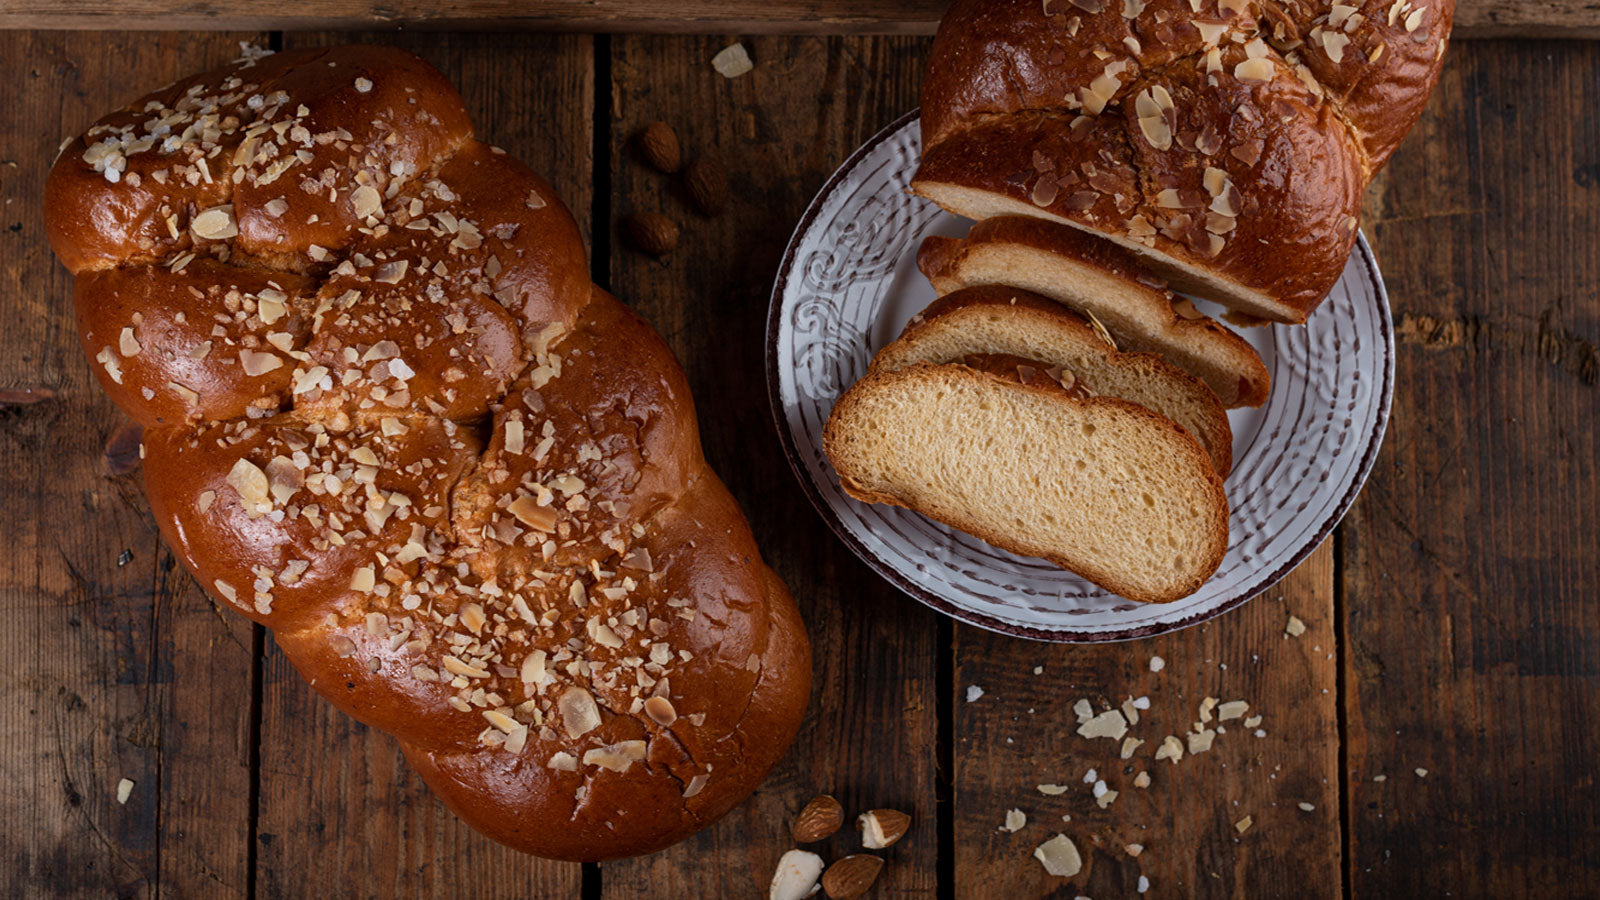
column 847, row 286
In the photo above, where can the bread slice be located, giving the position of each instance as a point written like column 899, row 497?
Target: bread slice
column 994, row 320
column 1099, row 486
column 1093, row 276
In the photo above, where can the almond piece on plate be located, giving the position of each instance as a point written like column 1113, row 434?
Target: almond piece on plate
column 882, row 827
column 852, row 876
column 819, row 819
column 796, row 877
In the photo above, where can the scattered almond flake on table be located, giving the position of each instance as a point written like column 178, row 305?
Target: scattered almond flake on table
column 1233, row 709
column 1308, row 807
column 1109, row 724
column 1141, row 780
column 1083, row 710
column 1422, row 773
column 1206, row 706
column 1243, row 824
column 1015, row 820
column 1295, row 628
column 973, row 692
column 1038, row 670
column 1129, row 745
column 1052, row 790
column 1171, row 748
column 732, row 61
column 1201, row 741
column 1380, row 778
column 1144, row 884
column 1252, row 722
column 1133, row 849
column 1157, row 664
column 1090, row 777
column 1107, row 798
column 124, row 790
column 1059, row 856
column 1129, row 711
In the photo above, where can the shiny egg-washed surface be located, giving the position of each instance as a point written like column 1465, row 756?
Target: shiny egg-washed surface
column 388, row 416
column 1229, row 138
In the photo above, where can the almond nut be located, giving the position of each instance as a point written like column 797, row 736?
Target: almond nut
column 882, row 827
column 659, row 145
column 852, row 876
column 707, row 185
column 796, row 876
column 651, row 233
column 819, row 819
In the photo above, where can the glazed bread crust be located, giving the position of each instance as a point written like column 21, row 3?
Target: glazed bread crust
column 388, row 416
column 1227, row 142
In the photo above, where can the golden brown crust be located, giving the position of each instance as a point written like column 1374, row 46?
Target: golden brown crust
column 1234, row 137
column 389, row 417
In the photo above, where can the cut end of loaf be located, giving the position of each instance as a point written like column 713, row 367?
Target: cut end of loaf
column 1101, row 487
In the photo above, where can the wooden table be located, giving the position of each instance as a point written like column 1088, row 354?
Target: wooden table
column 1432, row 733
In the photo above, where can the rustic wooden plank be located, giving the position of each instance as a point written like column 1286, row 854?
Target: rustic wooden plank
column 116, row 666
column 339, row 806
column 1474, row 19
column 1471, row 584
column 780, row 131
column 1022, row 733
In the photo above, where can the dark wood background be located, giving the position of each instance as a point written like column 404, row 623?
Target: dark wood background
column 1453, row 619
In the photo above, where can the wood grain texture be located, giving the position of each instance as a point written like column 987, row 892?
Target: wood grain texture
column 114, row 665
column 339, row 806
column 1474, row 18
column 1471, row 583
column 1022, row 732
column 779, row 132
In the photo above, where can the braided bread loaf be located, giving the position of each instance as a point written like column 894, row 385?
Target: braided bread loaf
column 388, row 416
column 1227, row 142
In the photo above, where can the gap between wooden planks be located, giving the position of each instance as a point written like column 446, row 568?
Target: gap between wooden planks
column 1474, row 18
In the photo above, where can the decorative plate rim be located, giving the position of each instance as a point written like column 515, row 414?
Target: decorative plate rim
column 883, row 569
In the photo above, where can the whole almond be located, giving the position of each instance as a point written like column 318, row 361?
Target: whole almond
column 707, row 185
column 852, row 876
column 820, row 818
column 651, row 233
column 659, row 145
column 882, row 827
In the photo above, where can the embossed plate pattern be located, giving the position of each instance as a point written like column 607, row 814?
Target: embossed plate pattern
column 849, row 283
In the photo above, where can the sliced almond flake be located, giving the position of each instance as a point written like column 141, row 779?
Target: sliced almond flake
column 1252, row 722
column 215, row 224
column 1307, row 807
column 533, row 670
column 127, row 343
column 695, row 785
column 1016, row 820
column 1254, row 69
column 1200, row 742
column 1414, row 20
column 226, row 590
column 514, row 436
column 562, row 761
column 1129, row 745
column 1295, row 627
column 1333, row 44
column 1109, row 724
column 124, row 790
column 366, row 201
column 1052, row 790
column 1171, row 748
column 661, row 711
column 501, row 720
column 391, row 272
column 1233, row 709
column 1106, row 798
column 732, row 61
column 1059, row 856
column 579, row 714
column 1142, row 780
column 363, row 579
column 1243, row 824
column 1211, row 32
column 255, row 363
column 1083, row 710
column 618, row 757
